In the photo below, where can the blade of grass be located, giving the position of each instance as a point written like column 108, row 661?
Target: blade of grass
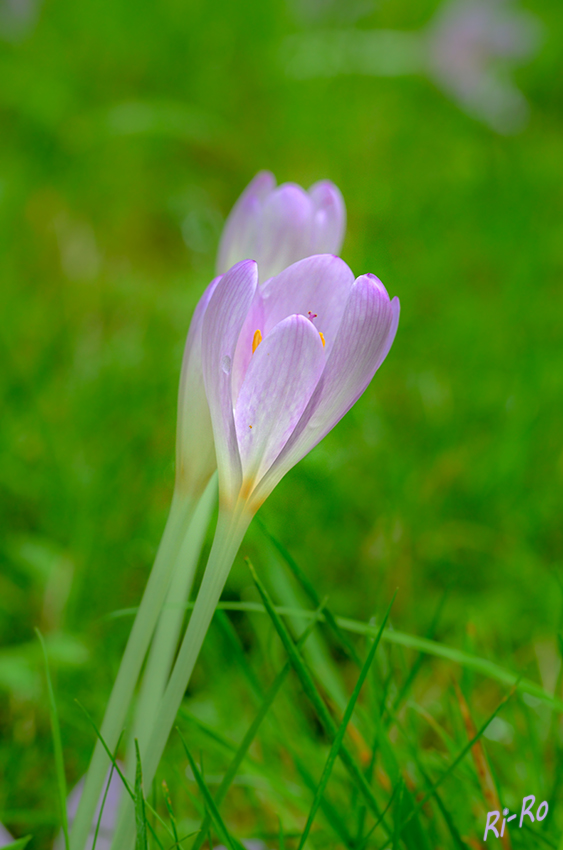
column 168, row 803
column 449, row 821
column 108, row 783
column 317, row 654
column 541, row 839
column 430, row 647
column 222, row 830
column 369, row 776
column 328, row 810
column 398, row 807
column 123, row 779
column 19, row 844
column 458, row 759
column 314, row 696
column 212, row 733
column 489, row 790
column 246, row 742
column 339, row 737
column 140, row 815
column 417, row 832
column 311, row 592
column 413, row 672
column 413, row 749
column 57, row 743
column 277, row 785
column 230, row 634
column 365, row 842
column 281, row 839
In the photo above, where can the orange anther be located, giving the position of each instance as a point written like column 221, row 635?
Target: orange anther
column 257, row 339
column 322, row 338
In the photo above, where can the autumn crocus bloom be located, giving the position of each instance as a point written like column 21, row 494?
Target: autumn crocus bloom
column 276, row 226
column 282, row 363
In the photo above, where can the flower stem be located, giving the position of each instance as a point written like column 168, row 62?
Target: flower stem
column 131, row 663
column 230, row 531
column 165, row 643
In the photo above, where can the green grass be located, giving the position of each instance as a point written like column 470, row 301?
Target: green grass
column 126, row 138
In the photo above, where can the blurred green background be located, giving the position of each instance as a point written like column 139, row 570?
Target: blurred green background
column 127, row 133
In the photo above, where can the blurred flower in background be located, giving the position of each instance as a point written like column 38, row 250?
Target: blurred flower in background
column 471, row 48
column 107, row 821
column 5, row 837
column 17, row 18
column 468, row 49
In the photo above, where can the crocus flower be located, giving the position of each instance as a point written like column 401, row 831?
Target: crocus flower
column 275, row 227
column 471, row 46
column 468, row 49
column 17, row 20
column 109, row 813
column 282, row 364
column 5, row 837
column 278, row 226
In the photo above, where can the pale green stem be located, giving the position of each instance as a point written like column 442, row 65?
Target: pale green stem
column 229, row 534
column 131, row 663
column 165, row 643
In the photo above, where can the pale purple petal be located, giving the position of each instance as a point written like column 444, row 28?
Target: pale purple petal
column 319, row 284
column 254, row 321
column 240, row 237
column 5, row 837
column 471, row 46
column 109, row 814
column 366, row 334
column 281, row 377
column 279, row 226
column 222, row 325
column 286, row 229
column 195, row 451
column 329, row 220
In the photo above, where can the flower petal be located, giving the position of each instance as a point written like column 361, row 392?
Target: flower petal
column 254, row 321
column 329, row 222
column 281, row 377
column 320, row 284
column 240, row 237
column 286, row 229
column 222, row 323
column 195, row 451
column 108, row 820
column 5, row 837
column 366, row 334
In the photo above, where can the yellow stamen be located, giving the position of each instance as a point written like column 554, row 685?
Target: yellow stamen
column 322, row 338
column 257, row 339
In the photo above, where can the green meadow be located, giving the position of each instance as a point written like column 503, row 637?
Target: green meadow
column 127, row 133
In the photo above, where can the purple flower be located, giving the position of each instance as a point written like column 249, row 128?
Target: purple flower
column 195, row 452
column 282, row 364
column 278, row 226
column 109, row 813
column 471, row 45
column 275, row 227
column 5, row 837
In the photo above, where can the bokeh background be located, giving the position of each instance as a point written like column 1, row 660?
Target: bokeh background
column 127, row 133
